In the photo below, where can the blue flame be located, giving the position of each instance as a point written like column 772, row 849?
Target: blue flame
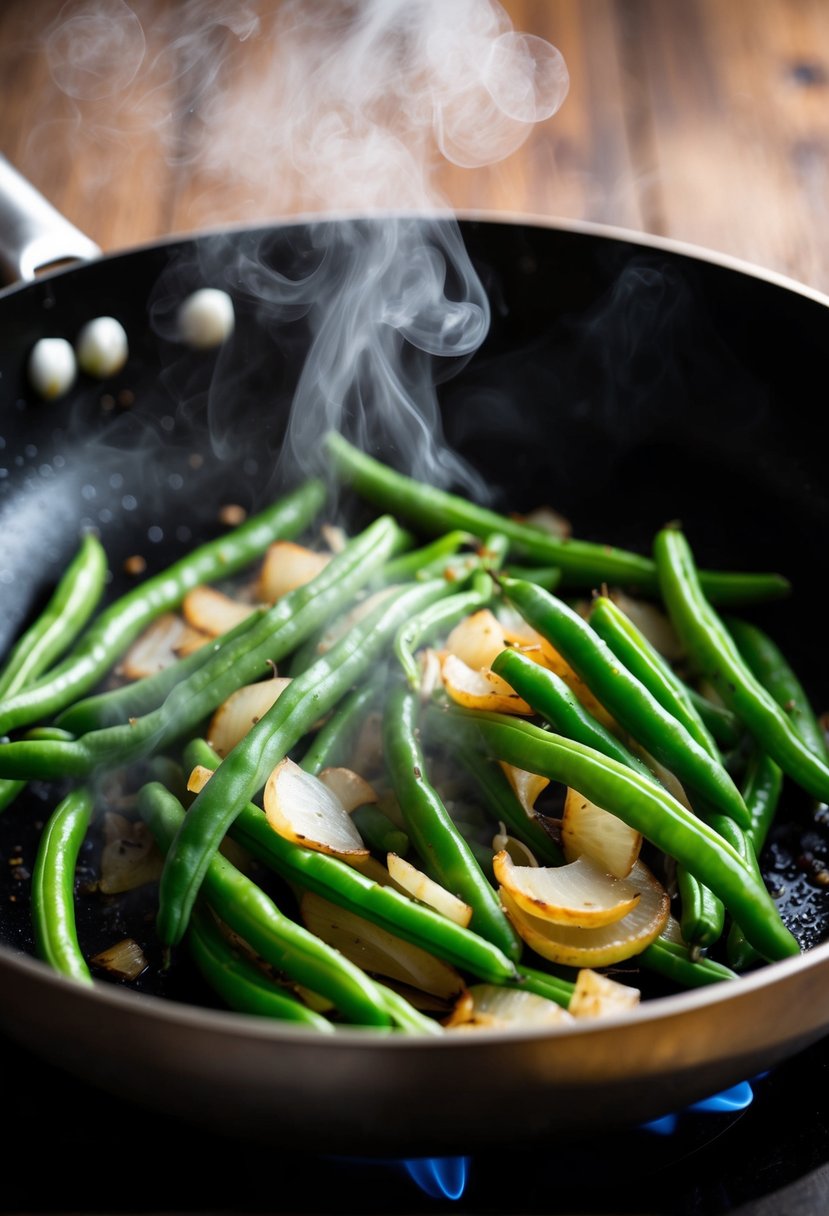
column 439, row 1177
column 738, row 1097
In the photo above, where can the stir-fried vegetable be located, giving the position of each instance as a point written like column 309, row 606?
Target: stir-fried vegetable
column 395, row 780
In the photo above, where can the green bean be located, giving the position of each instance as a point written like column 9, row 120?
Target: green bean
column 644, row 806
column 72, row 603
column 717, row 658
column 676, row 962
column 543, row 983
column 119, row 624
column 247, row 767
column 625, row 697
column 723, row 726
column 641, row 658
column 247, row 658
column 429, row 561
column 430, row 827
column 770, row 666
column 379, row 831
column 404, row 1015
column 555, row 701
column 53, row 885
column 344, row 885
column 582, row 563
column 432, row 620
column 239, row 982
column 762, row 789
column 335, row 737
column 548, row 577
column 249, row 912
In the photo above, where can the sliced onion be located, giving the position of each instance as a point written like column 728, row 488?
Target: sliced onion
column 430, row 677
column 579, row 893
column 480, row 689
column 285, row 566
column 577, row 947
column 377, row 951
column 125, row 960
column 302, row 808
column 527, row 786
column 158, row 646
column 477, row 639
column 241, row 711
column 212, row 612
column 335, row 537
column 598, row 996
column 129, row 857
column 489, row 1007
column 588, row 829
column 420, row 886
column 351, row 789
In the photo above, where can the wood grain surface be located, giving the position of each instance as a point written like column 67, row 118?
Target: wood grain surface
column 699, row 120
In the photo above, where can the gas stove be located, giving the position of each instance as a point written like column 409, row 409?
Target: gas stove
column 760, row 1149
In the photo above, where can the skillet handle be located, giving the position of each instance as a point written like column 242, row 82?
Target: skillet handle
column 33, row 234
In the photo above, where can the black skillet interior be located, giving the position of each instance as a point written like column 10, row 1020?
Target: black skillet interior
column 624, row 384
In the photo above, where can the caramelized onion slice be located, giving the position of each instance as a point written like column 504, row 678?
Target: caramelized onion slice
column 598, row 996
column 420, row 886
column 159, row 646
column 129, row 857
column 578, row 947
column 287, row 565
column 588, row 829
column 351, row 789
column 212, row 612
column 579, row 893
column 489, row 1007
column 479, row 689
column 241, row 711
column 302, row 808
column 527, row 786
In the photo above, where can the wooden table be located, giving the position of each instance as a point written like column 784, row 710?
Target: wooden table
column 700, row 120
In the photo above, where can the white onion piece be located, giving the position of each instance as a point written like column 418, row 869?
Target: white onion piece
column 480, row 689
column 240, row 712
column 129, row 857
column 429, row 680
column 578, row 947
column 335, row 537
column 302, row 808
column 477, row 640
column 377, row 951
column 206, row 318
column 213, row 612
column 579, row 893
column 102, row 347
column 125, row 959
column 52, row 367
column 420, row 886
column 285, row 566
column 159, row 646
column 527, row 786
column 490, row 1007
column 598, row 996
column 351, row 789
column 589, row 829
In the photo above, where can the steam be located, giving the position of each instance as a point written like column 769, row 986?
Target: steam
column 321, row 108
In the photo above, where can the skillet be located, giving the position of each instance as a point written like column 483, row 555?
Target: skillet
column 628, row 381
